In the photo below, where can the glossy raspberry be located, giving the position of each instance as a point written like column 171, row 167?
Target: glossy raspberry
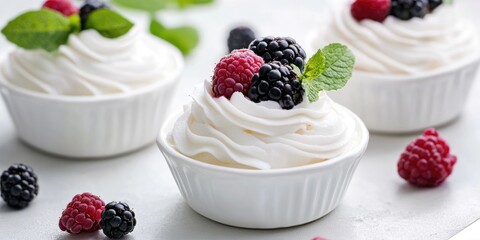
column 240, row 37
column 89, row 7
column 118, row 220
column 426, row 162
column 376, row 10
column 18, row 185
column 65, row 7
column 234, row 73
column 285, row 50
column 277, row 82
column 82, row 214
column 408, row 9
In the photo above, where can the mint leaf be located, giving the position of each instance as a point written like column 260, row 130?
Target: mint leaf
column 329, row 69
column 143, row 5
column 108, row 23
column 74, row 21
column 296, row 70
column 185, row 38
column 45, row 29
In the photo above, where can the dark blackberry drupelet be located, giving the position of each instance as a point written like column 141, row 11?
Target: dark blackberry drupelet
column 117, row 220
column 240, row 37
column 434, row 4
column 276, row 82
column 285, row 50
column 408, row 9
column 88, row 7
column 18, row 186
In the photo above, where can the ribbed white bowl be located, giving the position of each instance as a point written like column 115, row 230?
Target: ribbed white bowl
column 90, row 126
column 262, row 199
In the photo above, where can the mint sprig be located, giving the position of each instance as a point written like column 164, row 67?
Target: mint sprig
column 108, row 23
column 328, row 69
column 41, row 29
column 185, row 38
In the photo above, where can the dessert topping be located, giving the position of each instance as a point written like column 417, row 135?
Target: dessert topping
column 408, row 9
column 64, row 7
column 240, row 37
column 234, row 73
column 426, row 161
column 18, row 185
column 117, row 220
column 285, row 50
column 82, row 214
column 376, row 10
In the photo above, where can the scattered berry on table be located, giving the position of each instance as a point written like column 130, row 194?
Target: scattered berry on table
column 88, row 7
column 376, row 10
column 234, row 73
column 240, row 37
column 18, row 186
column 426, row 162
column 408, row 9
column 434, row 4
column 285, row 50
column 82, row 214
column 65, row 7
column 277, row 82
column 117, row 220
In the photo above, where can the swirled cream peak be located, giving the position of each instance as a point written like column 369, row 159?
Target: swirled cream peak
column 243, row 134
column 90, row 64
column 403, row 47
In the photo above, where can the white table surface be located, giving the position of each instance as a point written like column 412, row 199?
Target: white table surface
column 378, row 204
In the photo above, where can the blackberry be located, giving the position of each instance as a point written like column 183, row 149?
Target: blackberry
column 286, row 50
column 408, row 9
column 117, row 220
column 240, row 37
column 434, row 4
column 276, row 82
column 88, row 7
column 18, row 186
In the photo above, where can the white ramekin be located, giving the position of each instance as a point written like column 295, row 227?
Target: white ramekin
column 262, row 199
column 90, row 126
column 402, row 104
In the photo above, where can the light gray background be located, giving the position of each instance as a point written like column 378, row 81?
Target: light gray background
column 378, row 204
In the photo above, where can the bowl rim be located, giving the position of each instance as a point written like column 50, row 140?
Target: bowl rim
column 177, row 57
column 362, row 75
column 167, row 149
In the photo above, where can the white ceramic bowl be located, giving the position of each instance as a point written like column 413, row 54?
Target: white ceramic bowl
column 90, row 126
column 262, row 199
column 401, row 104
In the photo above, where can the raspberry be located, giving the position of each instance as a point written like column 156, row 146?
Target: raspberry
column 286, row 50
column 376, row 10
column 434, row 4
column 426, row 162
column 117, row 220
column 82, row 214
column 277, row 82
column 64, row 7
column 234, row 73
column 89, row 7
column 18, row 186
column 408, row 9
column 240, row 37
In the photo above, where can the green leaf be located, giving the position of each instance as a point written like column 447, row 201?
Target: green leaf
column 143, row 5
column 45, row 29
column 108, row 23
column 74, row 21
column 337, row 68
column 187, row 3
column 315, row 65
column 185, row 38
column 296, row 70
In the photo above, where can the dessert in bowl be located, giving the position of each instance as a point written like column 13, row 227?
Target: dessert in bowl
column 98, row 93
column 265, row 147
column 413, row 69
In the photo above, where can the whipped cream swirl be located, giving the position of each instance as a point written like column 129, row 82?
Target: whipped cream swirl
column 90, row 64
column 243, row 134
column 403, row 47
